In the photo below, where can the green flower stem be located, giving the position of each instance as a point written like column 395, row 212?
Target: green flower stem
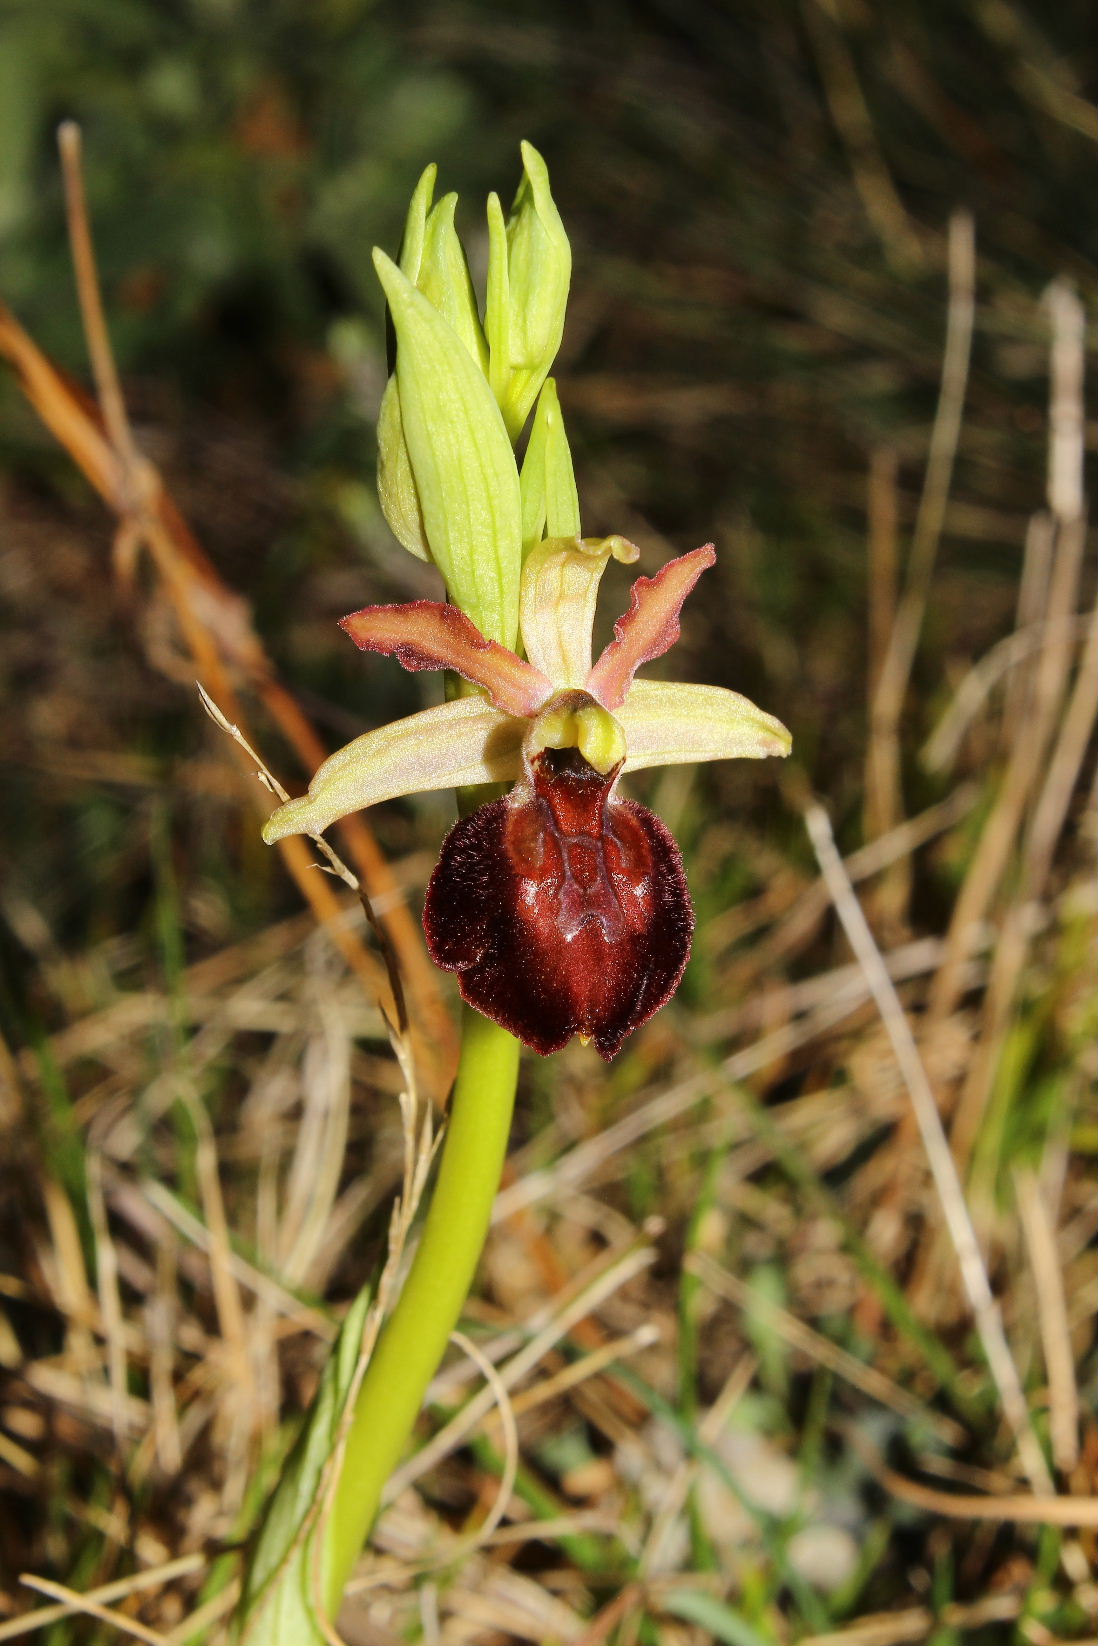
column 414, row 1340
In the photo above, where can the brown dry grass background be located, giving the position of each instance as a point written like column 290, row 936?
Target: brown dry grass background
column 792, row 1310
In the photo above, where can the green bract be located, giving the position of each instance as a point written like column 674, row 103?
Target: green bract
column 550, row 502
column 396, row 484
column 460, row 460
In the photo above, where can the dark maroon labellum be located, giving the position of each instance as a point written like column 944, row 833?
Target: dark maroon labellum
column 562, row 909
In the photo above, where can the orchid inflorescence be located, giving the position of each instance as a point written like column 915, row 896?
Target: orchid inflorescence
column 562, row 907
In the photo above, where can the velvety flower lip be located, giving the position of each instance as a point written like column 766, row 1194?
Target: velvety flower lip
column 562, row 908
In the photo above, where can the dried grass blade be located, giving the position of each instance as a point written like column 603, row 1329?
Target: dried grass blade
column 951, row 1198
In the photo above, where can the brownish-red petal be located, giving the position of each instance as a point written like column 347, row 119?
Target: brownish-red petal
column 563, row 910
column 427, row 634
column 649, row 628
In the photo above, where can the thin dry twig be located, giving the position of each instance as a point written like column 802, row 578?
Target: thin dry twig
column 1031, row 604
column 868, row 1379
column 710, row 1428
column 396, row 1013
column 232, row 1319
column 580, row 1371
column 107, row 1288
column 882, row 530
column 120, row 1589
column 93, row 1608
column 1022, row 1507
column 196, row 1625
column 854, row 123
column 940, row 748
column 505, row 1414
column 798, row 918
column 1066, row 411
column 89, row 296
column 917, row 1623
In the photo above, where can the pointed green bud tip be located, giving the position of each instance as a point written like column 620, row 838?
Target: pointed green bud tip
column 530, row 269
column 540, row 262
column 415, row 224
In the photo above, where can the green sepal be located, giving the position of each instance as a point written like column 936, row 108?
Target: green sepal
column 461, row 458
column 671, row 723
column 550, row 502
column 285, row 1573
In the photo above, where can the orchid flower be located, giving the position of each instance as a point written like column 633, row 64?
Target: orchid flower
column 562, row 907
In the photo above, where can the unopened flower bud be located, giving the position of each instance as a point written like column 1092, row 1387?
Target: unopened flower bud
column 529, row 270
column 460, row 459
column 415, row 224
column 444, row 279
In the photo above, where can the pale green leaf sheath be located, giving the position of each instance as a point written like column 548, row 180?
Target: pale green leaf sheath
column 284, row 1583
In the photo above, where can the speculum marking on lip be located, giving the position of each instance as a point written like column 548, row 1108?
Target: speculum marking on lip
column 564, row 844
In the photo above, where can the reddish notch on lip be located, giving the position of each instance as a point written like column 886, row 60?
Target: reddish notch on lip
column 562, row 909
